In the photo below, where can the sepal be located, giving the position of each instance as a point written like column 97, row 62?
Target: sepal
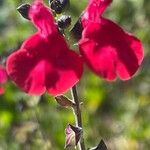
column 73, row 135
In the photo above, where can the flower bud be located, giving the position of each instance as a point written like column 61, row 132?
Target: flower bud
column 23, row 10
column 58, row 6
column 64, row 21
column 77, row 29
column 100, row 146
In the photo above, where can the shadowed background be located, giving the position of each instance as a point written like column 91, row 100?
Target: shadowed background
column 118, row 112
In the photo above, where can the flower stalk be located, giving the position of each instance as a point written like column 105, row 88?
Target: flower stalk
column 78, row 116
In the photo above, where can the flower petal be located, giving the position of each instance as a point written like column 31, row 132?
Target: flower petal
column 94, row 10
column 42, row 17
column 26, row 72
column 44, row 64
column 68, row 71
column 109, row 51
column 100, row 61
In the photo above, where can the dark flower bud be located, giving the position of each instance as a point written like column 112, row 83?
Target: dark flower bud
column 23, row 10
column 58, row 6
column 77, row 29
column 100, row 146
column 64, row 21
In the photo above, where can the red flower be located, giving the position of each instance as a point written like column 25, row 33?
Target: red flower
column 44, row 61
column 3, row 78
column 106, row 48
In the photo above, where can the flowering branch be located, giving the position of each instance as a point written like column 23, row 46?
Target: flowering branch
column 77, row 113
column 49, row 66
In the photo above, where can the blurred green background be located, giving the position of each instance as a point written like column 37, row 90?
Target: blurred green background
column 118, row 112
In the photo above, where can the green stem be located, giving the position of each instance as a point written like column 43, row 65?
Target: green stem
column 78, row 116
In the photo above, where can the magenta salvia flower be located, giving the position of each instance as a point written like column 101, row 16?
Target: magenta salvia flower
column 106, row 48
column 44, row 62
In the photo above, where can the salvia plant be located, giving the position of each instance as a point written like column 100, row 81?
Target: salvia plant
column 46, row 63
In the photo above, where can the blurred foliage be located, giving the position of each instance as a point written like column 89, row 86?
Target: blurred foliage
column 118, row 112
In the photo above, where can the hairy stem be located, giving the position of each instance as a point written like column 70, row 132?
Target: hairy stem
column 77, row 113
